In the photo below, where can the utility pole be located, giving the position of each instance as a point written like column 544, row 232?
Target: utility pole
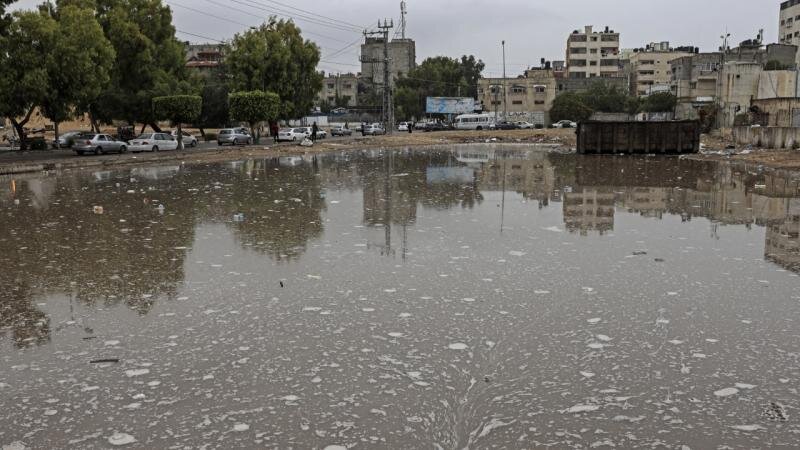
column 388, row 105
column 387, row 113
column 505, row 98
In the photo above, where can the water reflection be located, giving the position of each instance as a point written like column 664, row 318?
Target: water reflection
column 135, row 251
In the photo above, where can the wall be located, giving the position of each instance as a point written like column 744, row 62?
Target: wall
column 767, row 137
column 777, row 84
column 779, row 111
column 739, row 86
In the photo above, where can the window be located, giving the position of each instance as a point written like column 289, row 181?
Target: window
column 496, row 102
column 517, row 102
column 539, row 89
column 592, row 63
column 331, row 85
column 538, row 102
column 593, row 51
column 594, row 38
column 693, row 85
column 348, row 86
column 517, row 90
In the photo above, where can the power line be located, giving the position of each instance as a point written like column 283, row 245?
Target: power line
column 172, row 3
column 302, row 17
column 250, row 14
column 311, row 12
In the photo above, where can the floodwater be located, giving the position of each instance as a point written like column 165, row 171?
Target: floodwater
column 484, row 297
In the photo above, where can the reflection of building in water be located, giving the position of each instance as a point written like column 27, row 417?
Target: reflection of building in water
column 531, row 175
column 588, row 209
column 783, row 243
column 647, row 201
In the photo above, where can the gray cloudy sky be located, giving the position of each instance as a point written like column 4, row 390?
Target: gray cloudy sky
column 533, row 29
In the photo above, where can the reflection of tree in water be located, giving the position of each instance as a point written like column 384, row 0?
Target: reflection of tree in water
column 282, row 208
column 28, row 325
column 127, row 254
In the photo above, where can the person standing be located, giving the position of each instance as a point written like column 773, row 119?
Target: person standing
column 274, row 129
column 314, row 129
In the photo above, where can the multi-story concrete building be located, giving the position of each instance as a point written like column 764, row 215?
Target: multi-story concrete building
column 789, row 26
column 592, row 54
column 402, row 58
column 529, row 97
column 339, row 90
column 694, row 82
column 650, row 67
column 204, row 58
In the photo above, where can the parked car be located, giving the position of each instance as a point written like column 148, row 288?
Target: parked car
column 435, row 126
column 565, row 124
column 341, row 131
column 524, row 125
column 321, row 134
column 66, row 140
column 403, row 126
column 504, row 125
column 292, row 134
column 188, row 139
column 421, row 126
column 374, row 130
column 153, row 142
column 233, row 136
column 98, row 144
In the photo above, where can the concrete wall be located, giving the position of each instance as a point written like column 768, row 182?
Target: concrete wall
column 779, row 111
column 777, row 84
column 767, row 137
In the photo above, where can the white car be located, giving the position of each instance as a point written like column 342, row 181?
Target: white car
column 402, row 126
column 374, row 130
column 565, row 124
column 188, row 139
column 321, row 134
column 524, row 125
column 292, row 134
column 153, row 142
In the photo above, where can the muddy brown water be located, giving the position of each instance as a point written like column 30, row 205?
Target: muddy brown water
column 482, row 297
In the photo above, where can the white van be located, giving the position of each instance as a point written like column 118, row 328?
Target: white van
column 474, row 121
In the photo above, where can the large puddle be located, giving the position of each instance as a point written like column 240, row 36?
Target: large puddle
column 484, row 297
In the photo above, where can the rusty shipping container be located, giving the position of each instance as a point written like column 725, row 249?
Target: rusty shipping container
column 669, row 138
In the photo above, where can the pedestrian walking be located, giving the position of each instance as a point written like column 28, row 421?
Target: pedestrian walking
column 274, row 129
column 410, row 127
column 314, row 130
column 363, row 129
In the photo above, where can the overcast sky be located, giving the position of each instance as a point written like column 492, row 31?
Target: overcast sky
column 532, row 29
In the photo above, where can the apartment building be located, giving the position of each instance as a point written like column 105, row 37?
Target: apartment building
column 789, row 26
column 651, row 69
column 204, row 59
column 593, row 54
column 340, row 90
column 694, row 82
column 529, row 97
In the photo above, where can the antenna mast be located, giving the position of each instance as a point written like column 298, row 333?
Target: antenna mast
column 403, row 12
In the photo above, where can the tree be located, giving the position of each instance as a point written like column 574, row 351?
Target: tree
column 275, row 58
column 215, row 113
column 149, row 60
column 436, row 77
column 81, row 67
column 178, row 109
column 774, row 64
column 570, row 106
column 25, row 55
column 254, row 107
column 659, row 102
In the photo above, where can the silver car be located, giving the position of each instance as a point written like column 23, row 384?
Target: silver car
column 374, row 130
column 233, row 136
column 98, row 144
column 341, row 131
column 66, row 140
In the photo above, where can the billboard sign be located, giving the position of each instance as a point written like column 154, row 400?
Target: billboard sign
column 450, row 105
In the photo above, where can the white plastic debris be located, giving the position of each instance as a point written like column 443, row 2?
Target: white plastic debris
column 307, row 143
column 98, row 210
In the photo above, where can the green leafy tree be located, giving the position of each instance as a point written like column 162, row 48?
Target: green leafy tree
column 436, row 77
column 149, row 60
column 659, row 102
column 275, row 58
column 215, row 113
column 25, row 55
column 5, row 19
column 570, row 106
column 254, row 107
column 82, row 66
column 178, row 109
